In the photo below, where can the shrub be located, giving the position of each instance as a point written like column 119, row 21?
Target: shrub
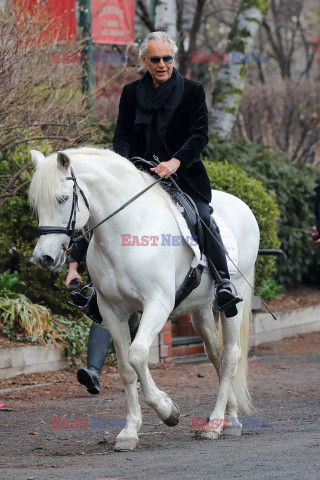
column 270, row 289
column 293, row 186
column 232, row 179
column 23, row 320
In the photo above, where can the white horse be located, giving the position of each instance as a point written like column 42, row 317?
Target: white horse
column 145, row 278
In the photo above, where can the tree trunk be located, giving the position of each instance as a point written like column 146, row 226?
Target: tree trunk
column 230, row 84
column 166, row 16
column 185, row 55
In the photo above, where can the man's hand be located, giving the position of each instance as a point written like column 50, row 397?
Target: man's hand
column 315, row 236
column 165, row 169
column 73, row 274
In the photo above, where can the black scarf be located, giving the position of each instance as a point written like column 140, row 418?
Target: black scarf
column 157, row 103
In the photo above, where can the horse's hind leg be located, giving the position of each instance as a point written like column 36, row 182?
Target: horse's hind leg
column 153, row 319
column 229, row 359
column 204, row 325
column 127, row 439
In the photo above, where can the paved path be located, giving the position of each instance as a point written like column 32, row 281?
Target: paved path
column 282, row 442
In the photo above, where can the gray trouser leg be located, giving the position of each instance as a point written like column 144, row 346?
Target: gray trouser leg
column 98, row 345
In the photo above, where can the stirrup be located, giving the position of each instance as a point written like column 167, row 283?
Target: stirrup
column 81, row 301
column 87, row 304
column 229, row 308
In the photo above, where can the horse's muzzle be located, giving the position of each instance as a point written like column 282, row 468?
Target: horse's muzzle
column 49, row 263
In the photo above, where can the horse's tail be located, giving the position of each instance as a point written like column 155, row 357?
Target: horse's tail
column 240, row 382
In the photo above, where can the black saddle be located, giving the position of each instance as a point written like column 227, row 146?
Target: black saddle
column 190, row 211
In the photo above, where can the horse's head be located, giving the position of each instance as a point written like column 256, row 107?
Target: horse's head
column 60, row 201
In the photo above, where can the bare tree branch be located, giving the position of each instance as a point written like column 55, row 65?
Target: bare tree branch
column 143, row 14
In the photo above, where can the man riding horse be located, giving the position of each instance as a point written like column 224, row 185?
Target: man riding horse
column 165, row 115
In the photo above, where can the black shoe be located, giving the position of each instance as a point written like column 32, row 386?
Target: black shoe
column 226, row 300
column 90, row 379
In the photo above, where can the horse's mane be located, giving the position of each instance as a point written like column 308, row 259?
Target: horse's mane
column 48, row 180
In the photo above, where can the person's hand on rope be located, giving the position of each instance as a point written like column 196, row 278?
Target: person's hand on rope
column 165, row 169
column 315, row 236
column 73, row 278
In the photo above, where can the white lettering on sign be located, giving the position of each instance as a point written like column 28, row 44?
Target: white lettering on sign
column 112, row 23
column 116, row 33
column 111, row 10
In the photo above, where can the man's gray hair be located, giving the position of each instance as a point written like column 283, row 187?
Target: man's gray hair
column 163, row 36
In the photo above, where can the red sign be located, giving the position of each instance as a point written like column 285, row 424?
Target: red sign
column 63, row 13
column 112, row 21
column 59, row 20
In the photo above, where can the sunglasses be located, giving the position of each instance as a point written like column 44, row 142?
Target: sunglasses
column 155, row 60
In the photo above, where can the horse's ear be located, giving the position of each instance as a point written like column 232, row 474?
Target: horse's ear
column 63, row 160
column 36, row 156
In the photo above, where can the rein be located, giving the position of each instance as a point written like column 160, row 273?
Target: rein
column 71, row 232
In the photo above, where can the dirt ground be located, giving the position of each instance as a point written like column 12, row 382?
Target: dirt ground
column 62, row 385
column 280, row 439
column 296, row 296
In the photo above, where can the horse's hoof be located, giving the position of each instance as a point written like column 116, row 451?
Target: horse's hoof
column 126, row 444
column 173, row 420
column 232, row 432
column 208, row 434
column 232, row 427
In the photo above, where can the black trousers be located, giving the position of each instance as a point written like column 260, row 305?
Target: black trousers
column 213, row 246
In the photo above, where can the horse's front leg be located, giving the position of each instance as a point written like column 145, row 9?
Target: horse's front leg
column 154, row 316
column 127, row 439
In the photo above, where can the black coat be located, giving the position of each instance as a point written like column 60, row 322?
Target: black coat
column 185, row 137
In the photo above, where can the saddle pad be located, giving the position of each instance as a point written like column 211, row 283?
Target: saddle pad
column 228, row 238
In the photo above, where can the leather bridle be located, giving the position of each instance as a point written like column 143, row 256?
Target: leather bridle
column 70, row 230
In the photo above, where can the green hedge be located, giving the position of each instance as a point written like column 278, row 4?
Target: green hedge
column 293, row 186
column 18, row 239
column 231, row 179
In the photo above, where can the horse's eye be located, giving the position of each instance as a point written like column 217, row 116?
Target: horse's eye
column 62, row 199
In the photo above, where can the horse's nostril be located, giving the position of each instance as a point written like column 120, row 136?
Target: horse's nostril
column 47, row 260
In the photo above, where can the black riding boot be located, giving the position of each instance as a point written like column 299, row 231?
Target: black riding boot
column 98, row 345
column 225, row 299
